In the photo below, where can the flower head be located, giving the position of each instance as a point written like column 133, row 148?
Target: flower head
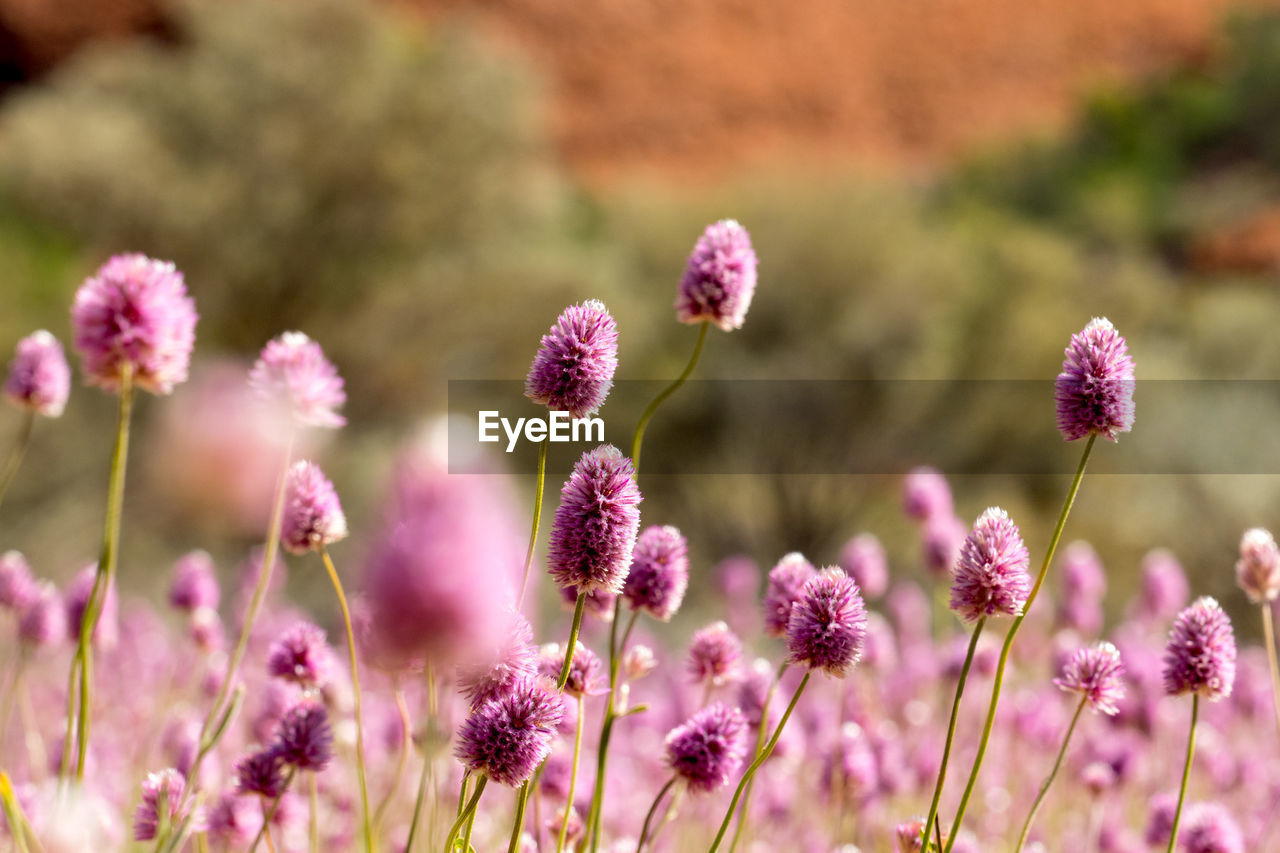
column 303, row 737
column 261, row 773
column 714, row 654
column 584, row 668
column 594, row 531
column 828, row 624
column 1164, row 589
column 514, row 659
column 43, row 621
column 39, row 378
column 925, row 494
column 106, row 632
column 302, row 655
column 162, row 804
column 1094, row 391
column 1096, row 673
column 941, row 539
column 134, row 314
column 292, row 371
column 707, row 750
column 786, row 580
column 864, row 560
column 574, row 366
column 991, row 573
column 234, row 821
column 1258, row 569
column 195, row 583
column 1200, row 655
column 508, row 736
column 719, row 278
column 17, row 586
column 659, row 572
column 313, row 516
column 1210, row 828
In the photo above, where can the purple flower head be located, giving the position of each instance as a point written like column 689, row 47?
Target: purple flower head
column 864, row 560
column 43, row 621
column 1200, row 655
column 513, row 660
column 162, row 806
column 303, row 737
column 926, row 494
column 302, row 655
column 261, row 773
column 107, row 630
column 17, row 586
column 39, row 378
column 786, row 580
column 1210, row 828
column 1258, row 569
column 595, row 526
column 714, row 654
column 584, row 669
column 754, row 689
column 1094, row 391
column 706, row 750
column 991, row 573
column 573, row 368
column 195, row 583
column 1097, row 674
column 293, row 373
column 941, row 539
column 1098, row 777
column 828, row 624
column 638, row 662
column 508, row 736
column 1160, row 812
column 1084, row 583
column 659, row 572
column 135, row 313
column 234, row 821
column 719, row 278
column 1164, row 589
column 313, row 516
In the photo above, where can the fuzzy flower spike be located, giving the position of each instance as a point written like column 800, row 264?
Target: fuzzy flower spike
column 991, row 574
column 574, row 366
column 1094, row 391
column 293, row 373
column 719, row 278
column 39, row 379
column 313, row 516
column 594, row 531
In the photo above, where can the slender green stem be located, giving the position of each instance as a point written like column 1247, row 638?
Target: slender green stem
column 665, row 393
column 19, row 450
column 102, row 580
column 522, row 800
column 573, row 775
column 761, row 757
column 13, row 814
column 1057, row 765
column 402, row 761
column 1269, row 636
column 207, row 743
column 355, row 686
column 951, row 734
column 427, row 778
column 653, row 809
column 574, row 628
column 537, row 517
column 760, row 730
column 417, row 803
column 466, row 813
column 1008, row 642
column 616, row 653
column 313, row 796
column 269, row 814
column 1186, row 771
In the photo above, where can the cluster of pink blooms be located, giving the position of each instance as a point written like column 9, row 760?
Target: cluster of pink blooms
column 828, row 705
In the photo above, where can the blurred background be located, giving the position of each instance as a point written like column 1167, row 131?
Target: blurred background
column 936, row 190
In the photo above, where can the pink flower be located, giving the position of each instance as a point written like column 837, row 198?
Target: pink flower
column 39, row 378
column 293, row 373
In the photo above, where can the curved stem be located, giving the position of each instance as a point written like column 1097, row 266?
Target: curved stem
column 1008, row 642
column 1269, row 635
column 761, row 757
column 1057, row 765
column 760, row 730
column 537, row 517
column 1186, row 772
column 663, row 395
column 402, row 761
column 19, row 450
column 522, row 800
column 255, row 604
column 355, row 686
column 951, row 734
column 616, row 652
column 653, row 809
column 102, row 579
column 573, row 776
column 574, row 628
column 466, row 813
